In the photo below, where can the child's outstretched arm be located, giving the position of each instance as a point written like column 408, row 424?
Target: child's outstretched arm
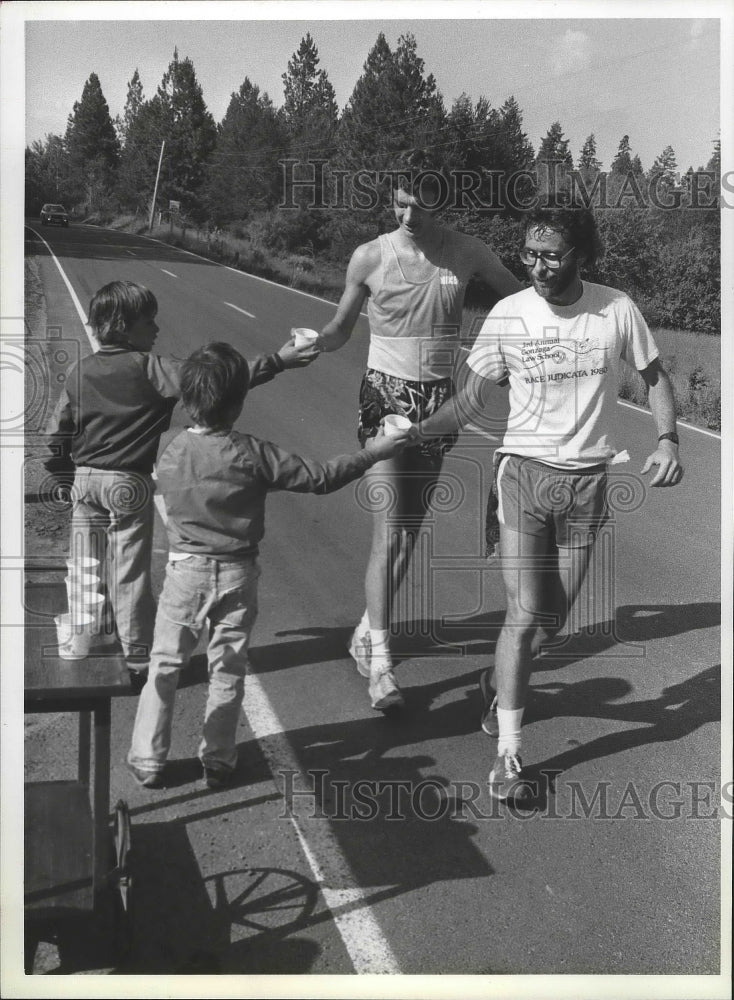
column 285, row 471
column 266, row 366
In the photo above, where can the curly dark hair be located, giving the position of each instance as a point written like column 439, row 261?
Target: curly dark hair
column 578, row 225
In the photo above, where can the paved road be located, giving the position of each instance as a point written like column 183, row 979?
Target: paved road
column 616, row 868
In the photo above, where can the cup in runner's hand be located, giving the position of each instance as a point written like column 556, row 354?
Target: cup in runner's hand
column 394, row 423
column 303, row 336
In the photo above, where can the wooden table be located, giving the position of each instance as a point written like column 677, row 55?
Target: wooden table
column 67, row 836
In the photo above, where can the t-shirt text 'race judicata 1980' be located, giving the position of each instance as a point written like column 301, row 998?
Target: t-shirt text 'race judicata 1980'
column 562, row 363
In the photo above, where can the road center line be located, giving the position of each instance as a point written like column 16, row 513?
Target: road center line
column 233, row 306
column 366, row 945
column 169, row 272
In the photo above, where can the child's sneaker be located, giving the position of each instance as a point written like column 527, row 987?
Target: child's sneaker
column 360, row 649
column 217, row 777
column 146, row 779
column 138, row 679
column 384, row 691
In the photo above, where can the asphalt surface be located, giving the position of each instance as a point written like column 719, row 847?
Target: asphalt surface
column 615, row 870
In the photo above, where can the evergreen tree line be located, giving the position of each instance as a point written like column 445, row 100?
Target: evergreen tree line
column 660, row 229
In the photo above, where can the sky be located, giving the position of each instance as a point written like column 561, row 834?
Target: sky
column 654, row 77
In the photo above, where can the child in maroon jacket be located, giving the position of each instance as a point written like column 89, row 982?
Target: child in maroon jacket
column 214, row 482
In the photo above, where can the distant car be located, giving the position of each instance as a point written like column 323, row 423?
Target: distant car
column 54, row 215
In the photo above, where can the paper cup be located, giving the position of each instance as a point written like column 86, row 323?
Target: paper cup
column 78, row 585
column 304, row 336
column 394, row 423
column 83, row 564
column 73, row 634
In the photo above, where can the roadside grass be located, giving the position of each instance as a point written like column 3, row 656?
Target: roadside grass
column 693, row 360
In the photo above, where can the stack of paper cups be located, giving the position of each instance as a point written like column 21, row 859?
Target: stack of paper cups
column 85, row 604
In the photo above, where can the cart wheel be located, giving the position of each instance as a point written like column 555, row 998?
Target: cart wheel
column 122, row 883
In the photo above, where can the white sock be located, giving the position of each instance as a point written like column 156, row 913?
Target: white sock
column 380, row 647
column 364, row 625
column 509, row 721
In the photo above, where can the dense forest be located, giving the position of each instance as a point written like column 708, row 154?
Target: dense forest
column 306, row 179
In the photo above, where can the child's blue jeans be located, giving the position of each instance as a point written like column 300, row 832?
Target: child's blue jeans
column 198, row 589
column 112, row 520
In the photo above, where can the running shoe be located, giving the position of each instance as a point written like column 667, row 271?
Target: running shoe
column 384, row 691
column 505, row 779
column 489, row 721
column 360, row 649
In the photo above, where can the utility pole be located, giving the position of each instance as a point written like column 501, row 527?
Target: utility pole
column 155, row 189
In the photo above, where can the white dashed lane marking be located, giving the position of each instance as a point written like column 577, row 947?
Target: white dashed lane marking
column 232, row 306
column 169, row 272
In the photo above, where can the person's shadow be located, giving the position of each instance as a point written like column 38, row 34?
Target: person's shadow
column 680, row 710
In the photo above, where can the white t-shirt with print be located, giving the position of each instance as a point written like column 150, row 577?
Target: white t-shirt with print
column 562, row 363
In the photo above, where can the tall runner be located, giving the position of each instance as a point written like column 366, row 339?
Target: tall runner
column 413, row 280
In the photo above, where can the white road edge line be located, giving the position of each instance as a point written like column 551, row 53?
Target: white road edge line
column 363, row 939
column 680, row 423
column 318, row 298
column 366, row 945
column 77, row 304
column 169, row 272
column 239, row 310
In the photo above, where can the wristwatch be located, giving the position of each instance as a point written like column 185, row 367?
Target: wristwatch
column 669, row 436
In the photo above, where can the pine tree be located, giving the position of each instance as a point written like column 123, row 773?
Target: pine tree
column 309, row 111
column 46, row 168
column 622, row 162
column 664, row 168
column 244, row 174
column 554, row 148
column 92, row 147
column 133, row 104
column 587, row 156
column 184, row 122
column 715, row 162
column 139, row 162
column 395, row 115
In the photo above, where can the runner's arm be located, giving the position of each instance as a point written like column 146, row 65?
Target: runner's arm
column 493, row 272
column 338, row 330
column 662, row 404
column 465, row 406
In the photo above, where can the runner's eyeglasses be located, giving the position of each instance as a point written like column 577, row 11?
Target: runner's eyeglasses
column 550, row 260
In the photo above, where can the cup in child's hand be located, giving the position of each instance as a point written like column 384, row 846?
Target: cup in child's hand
column 303, row 336
column 394, row 423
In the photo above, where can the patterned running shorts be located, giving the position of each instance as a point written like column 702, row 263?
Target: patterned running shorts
column 381, row 394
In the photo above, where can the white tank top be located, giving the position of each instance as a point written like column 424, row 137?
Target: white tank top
column 415, row 325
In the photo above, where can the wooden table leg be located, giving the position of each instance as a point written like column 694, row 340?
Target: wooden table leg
column 85, row 736
column 101, row 792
